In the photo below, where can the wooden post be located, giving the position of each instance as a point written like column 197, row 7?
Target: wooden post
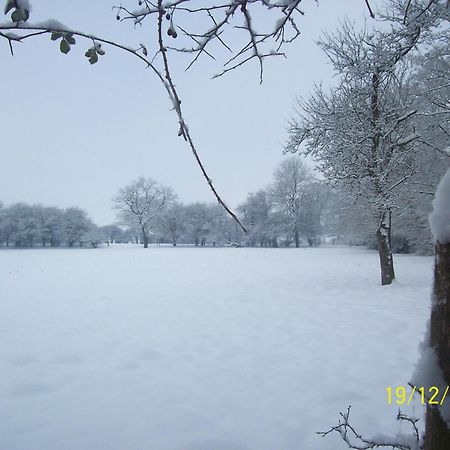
column 437, row 433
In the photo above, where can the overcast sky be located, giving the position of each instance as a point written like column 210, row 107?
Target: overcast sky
column 73, row 134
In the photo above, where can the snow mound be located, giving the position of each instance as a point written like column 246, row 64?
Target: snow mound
column 428, row 374
column 440, row 217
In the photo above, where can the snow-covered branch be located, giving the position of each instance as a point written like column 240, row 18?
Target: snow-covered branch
column 198, row 28
column 356, row 441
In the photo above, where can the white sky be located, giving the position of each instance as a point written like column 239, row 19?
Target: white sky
column 73, row 134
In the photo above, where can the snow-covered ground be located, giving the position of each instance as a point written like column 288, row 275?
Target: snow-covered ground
column 202, row 349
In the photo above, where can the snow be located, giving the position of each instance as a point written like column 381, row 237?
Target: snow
column 50, row 24
column 408, row 440
column 198, row 349
column 428, row 374
column 440, row 217
column 407, row 139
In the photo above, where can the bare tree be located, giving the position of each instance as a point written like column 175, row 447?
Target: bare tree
column 198, row 223
column 288, row 192
column 362, row 132
column 256, row 213
column 173, row 220
column 139, row 203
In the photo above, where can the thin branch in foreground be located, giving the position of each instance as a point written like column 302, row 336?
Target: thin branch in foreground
column 166, row 80
column 184, row 130
column 370, row 9
column 356, row 441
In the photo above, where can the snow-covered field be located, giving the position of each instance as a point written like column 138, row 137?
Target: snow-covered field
column 202, row 349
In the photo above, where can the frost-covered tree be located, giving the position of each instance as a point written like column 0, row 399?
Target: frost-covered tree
column 7, row 226
column 313, row 206
column 93, row 237
column 431, row 83
column 171, row 222
column 362, row 132
column 256, row 213
column 113, row 233
column 140, row 203
column 75, row 223
column 21, row 225
column 224, row 230
column 29, row 225
column 198, row 223
column 288, row 192
column 432, row 80
column 51, row 225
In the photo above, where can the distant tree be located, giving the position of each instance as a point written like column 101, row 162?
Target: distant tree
column 172, row 222
column 7, row 226
column 347, row 219
column 112, row 233
column 257, row 218
column 26, row 225
column 140, row 203
column 224, row 230
column 75, row 223
column 313, row 206
column 93, row 237
column 288, row 193
column 198, row 223
column 22, row 226
column 51, row 225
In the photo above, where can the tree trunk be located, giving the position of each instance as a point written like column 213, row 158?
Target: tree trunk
column 437, row 433
column 296, row 237
column 384, row 250
column 145, row 237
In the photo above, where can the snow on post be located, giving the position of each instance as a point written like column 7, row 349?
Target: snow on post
column 440, row 217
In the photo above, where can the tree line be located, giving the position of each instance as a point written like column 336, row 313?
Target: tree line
column 295, row 209
column 23, row 225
